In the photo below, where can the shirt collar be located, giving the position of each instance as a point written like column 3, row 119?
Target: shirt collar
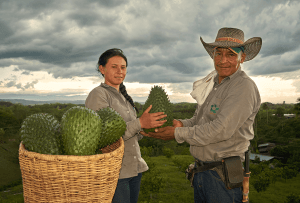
column 108, row 86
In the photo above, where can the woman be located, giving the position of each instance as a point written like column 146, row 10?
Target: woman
column 113, row 66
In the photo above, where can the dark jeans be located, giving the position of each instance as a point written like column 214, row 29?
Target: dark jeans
column 127, row 190
column 209, row 188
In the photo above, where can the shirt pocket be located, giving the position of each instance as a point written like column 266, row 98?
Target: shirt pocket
column 213, row 108
column 119, row 107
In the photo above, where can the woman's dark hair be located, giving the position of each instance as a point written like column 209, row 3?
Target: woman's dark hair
column 103, row 60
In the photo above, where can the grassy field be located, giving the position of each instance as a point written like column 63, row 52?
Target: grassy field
column 176, row 188
column 9, row 167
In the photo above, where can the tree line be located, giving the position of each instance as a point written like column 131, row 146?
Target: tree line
column 267, row 128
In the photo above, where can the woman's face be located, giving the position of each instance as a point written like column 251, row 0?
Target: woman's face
column 114, row 71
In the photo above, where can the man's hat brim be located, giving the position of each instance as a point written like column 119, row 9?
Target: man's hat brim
column 252, row 46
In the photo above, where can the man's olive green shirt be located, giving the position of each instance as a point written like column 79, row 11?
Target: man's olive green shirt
column 223, row 125
column 107, row 96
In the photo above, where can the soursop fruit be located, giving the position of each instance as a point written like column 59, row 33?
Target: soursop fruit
column 41, row 133
column 160, row 102
column 113, row 126
column 81, row 130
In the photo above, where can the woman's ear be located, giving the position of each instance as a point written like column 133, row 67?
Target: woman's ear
column 101, row 68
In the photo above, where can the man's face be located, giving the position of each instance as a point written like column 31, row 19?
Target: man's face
column 226, row 62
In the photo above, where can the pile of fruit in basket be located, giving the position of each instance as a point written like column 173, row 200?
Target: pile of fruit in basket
column 82, row 131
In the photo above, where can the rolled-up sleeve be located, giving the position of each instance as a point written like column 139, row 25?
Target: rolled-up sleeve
column 234, row 110
column 133, row 127
column 192, row 121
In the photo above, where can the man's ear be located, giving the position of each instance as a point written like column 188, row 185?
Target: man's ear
column 243, row 57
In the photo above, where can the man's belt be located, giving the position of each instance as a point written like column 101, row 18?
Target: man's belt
column 204, row 166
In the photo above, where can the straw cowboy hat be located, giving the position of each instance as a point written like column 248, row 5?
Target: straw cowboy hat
column 233, row 37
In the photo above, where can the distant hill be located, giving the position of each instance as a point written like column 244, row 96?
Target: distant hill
column 32, row 102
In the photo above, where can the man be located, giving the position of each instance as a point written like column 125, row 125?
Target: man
column 222, row 126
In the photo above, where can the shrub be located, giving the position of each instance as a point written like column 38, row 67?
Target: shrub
column 262, row 182
column 168, row 152
column 2, row 132
column 182, row 150
column 277, row 163
column 289, row 173
column 255, row 169
column 147, row 151
column 151, row 181
column 292, row 198
column 273, row 174
column 281, row 151
column 181, row 163
column 294, row 161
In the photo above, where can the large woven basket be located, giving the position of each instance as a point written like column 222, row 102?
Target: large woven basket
column 70, row 178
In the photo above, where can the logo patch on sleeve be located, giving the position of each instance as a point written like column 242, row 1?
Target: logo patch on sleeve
column 214, row 109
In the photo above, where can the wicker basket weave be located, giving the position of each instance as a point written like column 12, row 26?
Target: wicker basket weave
column 70, row 178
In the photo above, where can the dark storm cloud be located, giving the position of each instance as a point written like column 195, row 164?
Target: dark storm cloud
column 161, row 41
column 278, row 25
column 282, row 42
column 30, row 85
column 49, row 44
column 26, row 73
column 20, row 86
column 108, row 3
column 5, row 30
column 92, row 19
column 10, row 84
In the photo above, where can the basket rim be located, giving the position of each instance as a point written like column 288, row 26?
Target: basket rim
column 50, row 157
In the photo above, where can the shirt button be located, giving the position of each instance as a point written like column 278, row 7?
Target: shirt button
column 215, row 88
column 127, row 111
column 134, row 157
column 133, row 145
column 202, row 117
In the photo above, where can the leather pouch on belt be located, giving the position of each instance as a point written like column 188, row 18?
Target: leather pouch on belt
column 233, row 172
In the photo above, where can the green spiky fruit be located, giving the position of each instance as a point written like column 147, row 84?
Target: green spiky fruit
column 41, row 133
column 113, row 126
column 160, row 102
column 81, row 129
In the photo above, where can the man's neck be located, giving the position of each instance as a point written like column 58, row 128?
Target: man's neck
column 220, row 79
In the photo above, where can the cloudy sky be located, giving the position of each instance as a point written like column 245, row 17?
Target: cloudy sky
column 49, row 49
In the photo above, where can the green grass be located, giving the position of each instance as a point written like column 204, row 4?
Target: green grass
column 9, row 167
column 276, row 192
column 177, row 188
column 12, row 195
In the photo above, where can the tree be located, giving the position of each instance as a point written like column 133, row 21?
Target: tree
column 266, row 107
column 8, row 120
column 292, row 198
column 262, row 182
column 20, row 112
column 281, row 151
column 151, row 182
column 297, row 107
column 279, row 112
